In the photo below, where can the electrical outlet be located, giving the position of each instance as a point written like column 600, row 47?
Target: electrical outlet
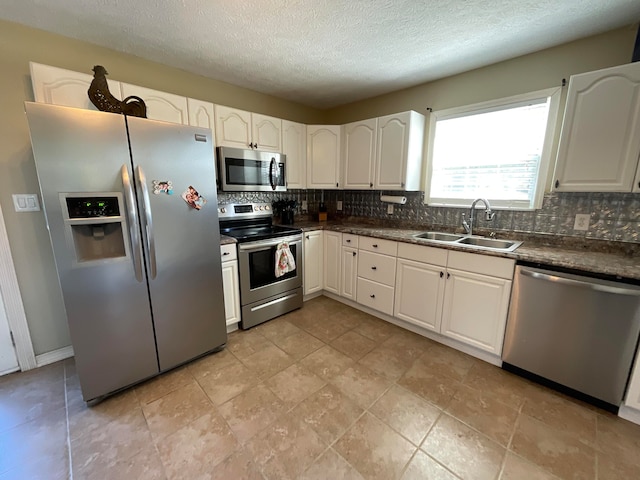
column 304, row 205
column 582, row 222
column 390, row 209
column 339, row 205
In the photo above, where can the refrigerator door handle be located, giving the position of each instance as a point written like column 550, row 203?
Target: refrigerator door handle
column 148, row 221
column 133, row 222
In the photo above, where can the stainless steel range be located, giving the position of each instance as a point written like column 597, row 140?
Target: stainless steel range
column 263, row 294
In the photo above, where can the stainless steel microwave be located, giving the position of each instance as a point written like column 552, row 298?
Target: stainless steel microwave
column 241, row 170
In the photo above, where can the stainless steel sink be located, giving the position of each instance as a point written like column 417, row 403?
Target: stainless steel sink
column 439, row 236
column 491, row 243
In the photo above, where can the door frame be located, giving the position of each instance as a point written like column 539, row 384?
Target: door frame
column 13, row 303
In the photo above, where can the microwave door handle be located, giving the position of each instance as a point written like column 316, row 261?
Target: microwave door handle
column 148, row 222
column 132, row 215
column 271, row 175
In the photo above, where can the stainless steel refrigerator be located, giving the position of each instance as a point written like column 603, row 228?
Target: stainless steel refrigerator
column 132, row 214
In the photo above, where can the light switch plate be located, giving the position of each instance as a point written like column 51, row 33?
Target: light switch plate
column 304, row 205
column 582, row 222
column 390, row 209
column 26, row 202
column 339, row 205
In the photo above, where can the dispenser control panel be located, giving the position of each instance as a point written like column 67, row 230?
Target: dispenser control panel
column 91, row 207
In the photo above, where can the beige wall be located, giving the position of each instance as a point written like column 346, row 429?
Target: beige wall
column 19, row 45
column 524, row 74
column 28, row 235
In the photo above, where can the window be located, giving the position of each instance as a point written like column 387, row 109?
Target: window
column 498, row 150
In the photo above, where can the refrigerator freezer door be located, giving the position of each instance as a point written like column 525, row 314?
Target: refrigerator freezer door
column 181, row 242
column 80, row 153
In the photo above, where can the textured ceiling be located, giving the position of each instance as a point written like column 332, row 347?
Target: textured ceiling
column 325, row 53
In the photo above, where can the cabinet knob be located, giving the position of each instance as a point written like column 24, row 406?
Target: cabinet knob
column 557, row 183
column 348, row 240
column 354, row 254
column 307, row 237
column 448, row 274
column 372, row 296
column 374, row 268
column 441, row 274
column 371, row 185
column 375, row 245
column 225, row 253
column 337, row 184
column 255, row 145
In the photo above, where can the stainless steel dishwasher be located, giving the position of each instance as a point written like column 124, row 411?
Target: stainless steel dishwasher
column 575, row 331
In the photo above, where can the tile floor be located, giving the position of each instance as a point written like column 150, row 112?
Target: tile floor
column 326, row 392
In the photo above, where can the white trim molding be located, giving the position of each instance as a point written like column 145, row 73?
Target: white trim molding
column 54, row 356
column 13, row 303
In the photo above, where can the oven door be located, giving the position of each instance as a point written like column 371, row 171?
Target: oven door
column 257, row 265
column 250, row 170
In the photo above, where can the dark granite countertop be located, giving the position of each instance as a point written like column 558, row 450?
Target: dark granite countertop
column 620, row 259
column 225, row 240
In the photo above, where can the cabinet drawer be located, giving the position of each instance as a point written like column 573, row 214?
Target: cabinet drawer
column 228, row 252
column 376, row 267
column 482, row 264
column 418, row 253
column 349, row 240
column 375, row 295
column 376, row 245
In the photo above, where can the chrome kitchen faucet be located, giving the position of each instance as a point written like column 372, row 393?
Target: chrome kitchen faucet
column 488, row 215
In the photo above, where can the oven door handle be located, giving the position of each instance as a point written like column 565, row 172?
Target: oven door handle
column 265, row 244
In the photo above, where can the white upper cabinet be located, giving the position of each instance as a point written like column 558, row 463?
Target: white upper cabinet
column 399, row 151
column 323, row 156
column 600, row 139
column 294, row 146
column 200, row 113
column 163, row 106
column 240, row 129
column 359, row 154
column 67, row 88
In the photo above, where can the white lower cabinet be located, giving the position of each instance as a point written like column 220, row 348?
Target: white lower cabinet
column 375, row 295
column 463, row 296
column 313, row 261
column 349, row 266
column 475, row 309
column 332, row 248
column 376, row 274
column 230, row 284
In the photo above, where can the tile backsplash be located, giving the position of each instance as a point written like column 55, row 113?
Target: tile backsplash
column 613, row 216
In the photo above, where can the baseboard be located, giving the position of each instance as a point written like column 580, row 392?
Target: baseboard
column 54, row 356
column 232, row 327
column 629, row 413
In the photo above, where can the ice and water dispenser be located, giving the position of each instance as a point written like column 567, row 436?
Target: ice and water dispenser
column 94, row 225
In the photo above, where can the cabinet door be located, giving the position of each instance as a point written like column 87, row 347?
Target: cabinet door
column 323, row 156
column 233, row 127
column 67, row 88
column 313, row 262
column 399, row 151
column 200, row 113
column 163, row 106
column 231, row 289
column 332, row 247
column 349, row 273
column 419, row 292
column 600, row 139
column 633, row 393
column 475, row 309
column 359, row 154
column 266, row 133
column 294, row 146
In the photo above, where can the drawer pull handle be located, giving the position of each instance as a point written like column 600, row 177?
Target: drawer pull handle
column 375, row 245
column 372, row 296
column 374, row 268
column 225, row 253
column 348, row 241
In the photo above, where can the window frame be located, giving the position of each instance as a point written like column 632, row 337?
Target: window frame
column 544, row 166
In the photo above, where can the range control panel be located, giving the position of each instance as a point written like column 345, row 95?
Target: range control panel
column 244, row 210
column 91, row 207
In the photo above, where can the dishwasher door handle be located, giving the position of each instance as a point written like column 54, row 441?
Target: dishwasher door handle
column 578, row 283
